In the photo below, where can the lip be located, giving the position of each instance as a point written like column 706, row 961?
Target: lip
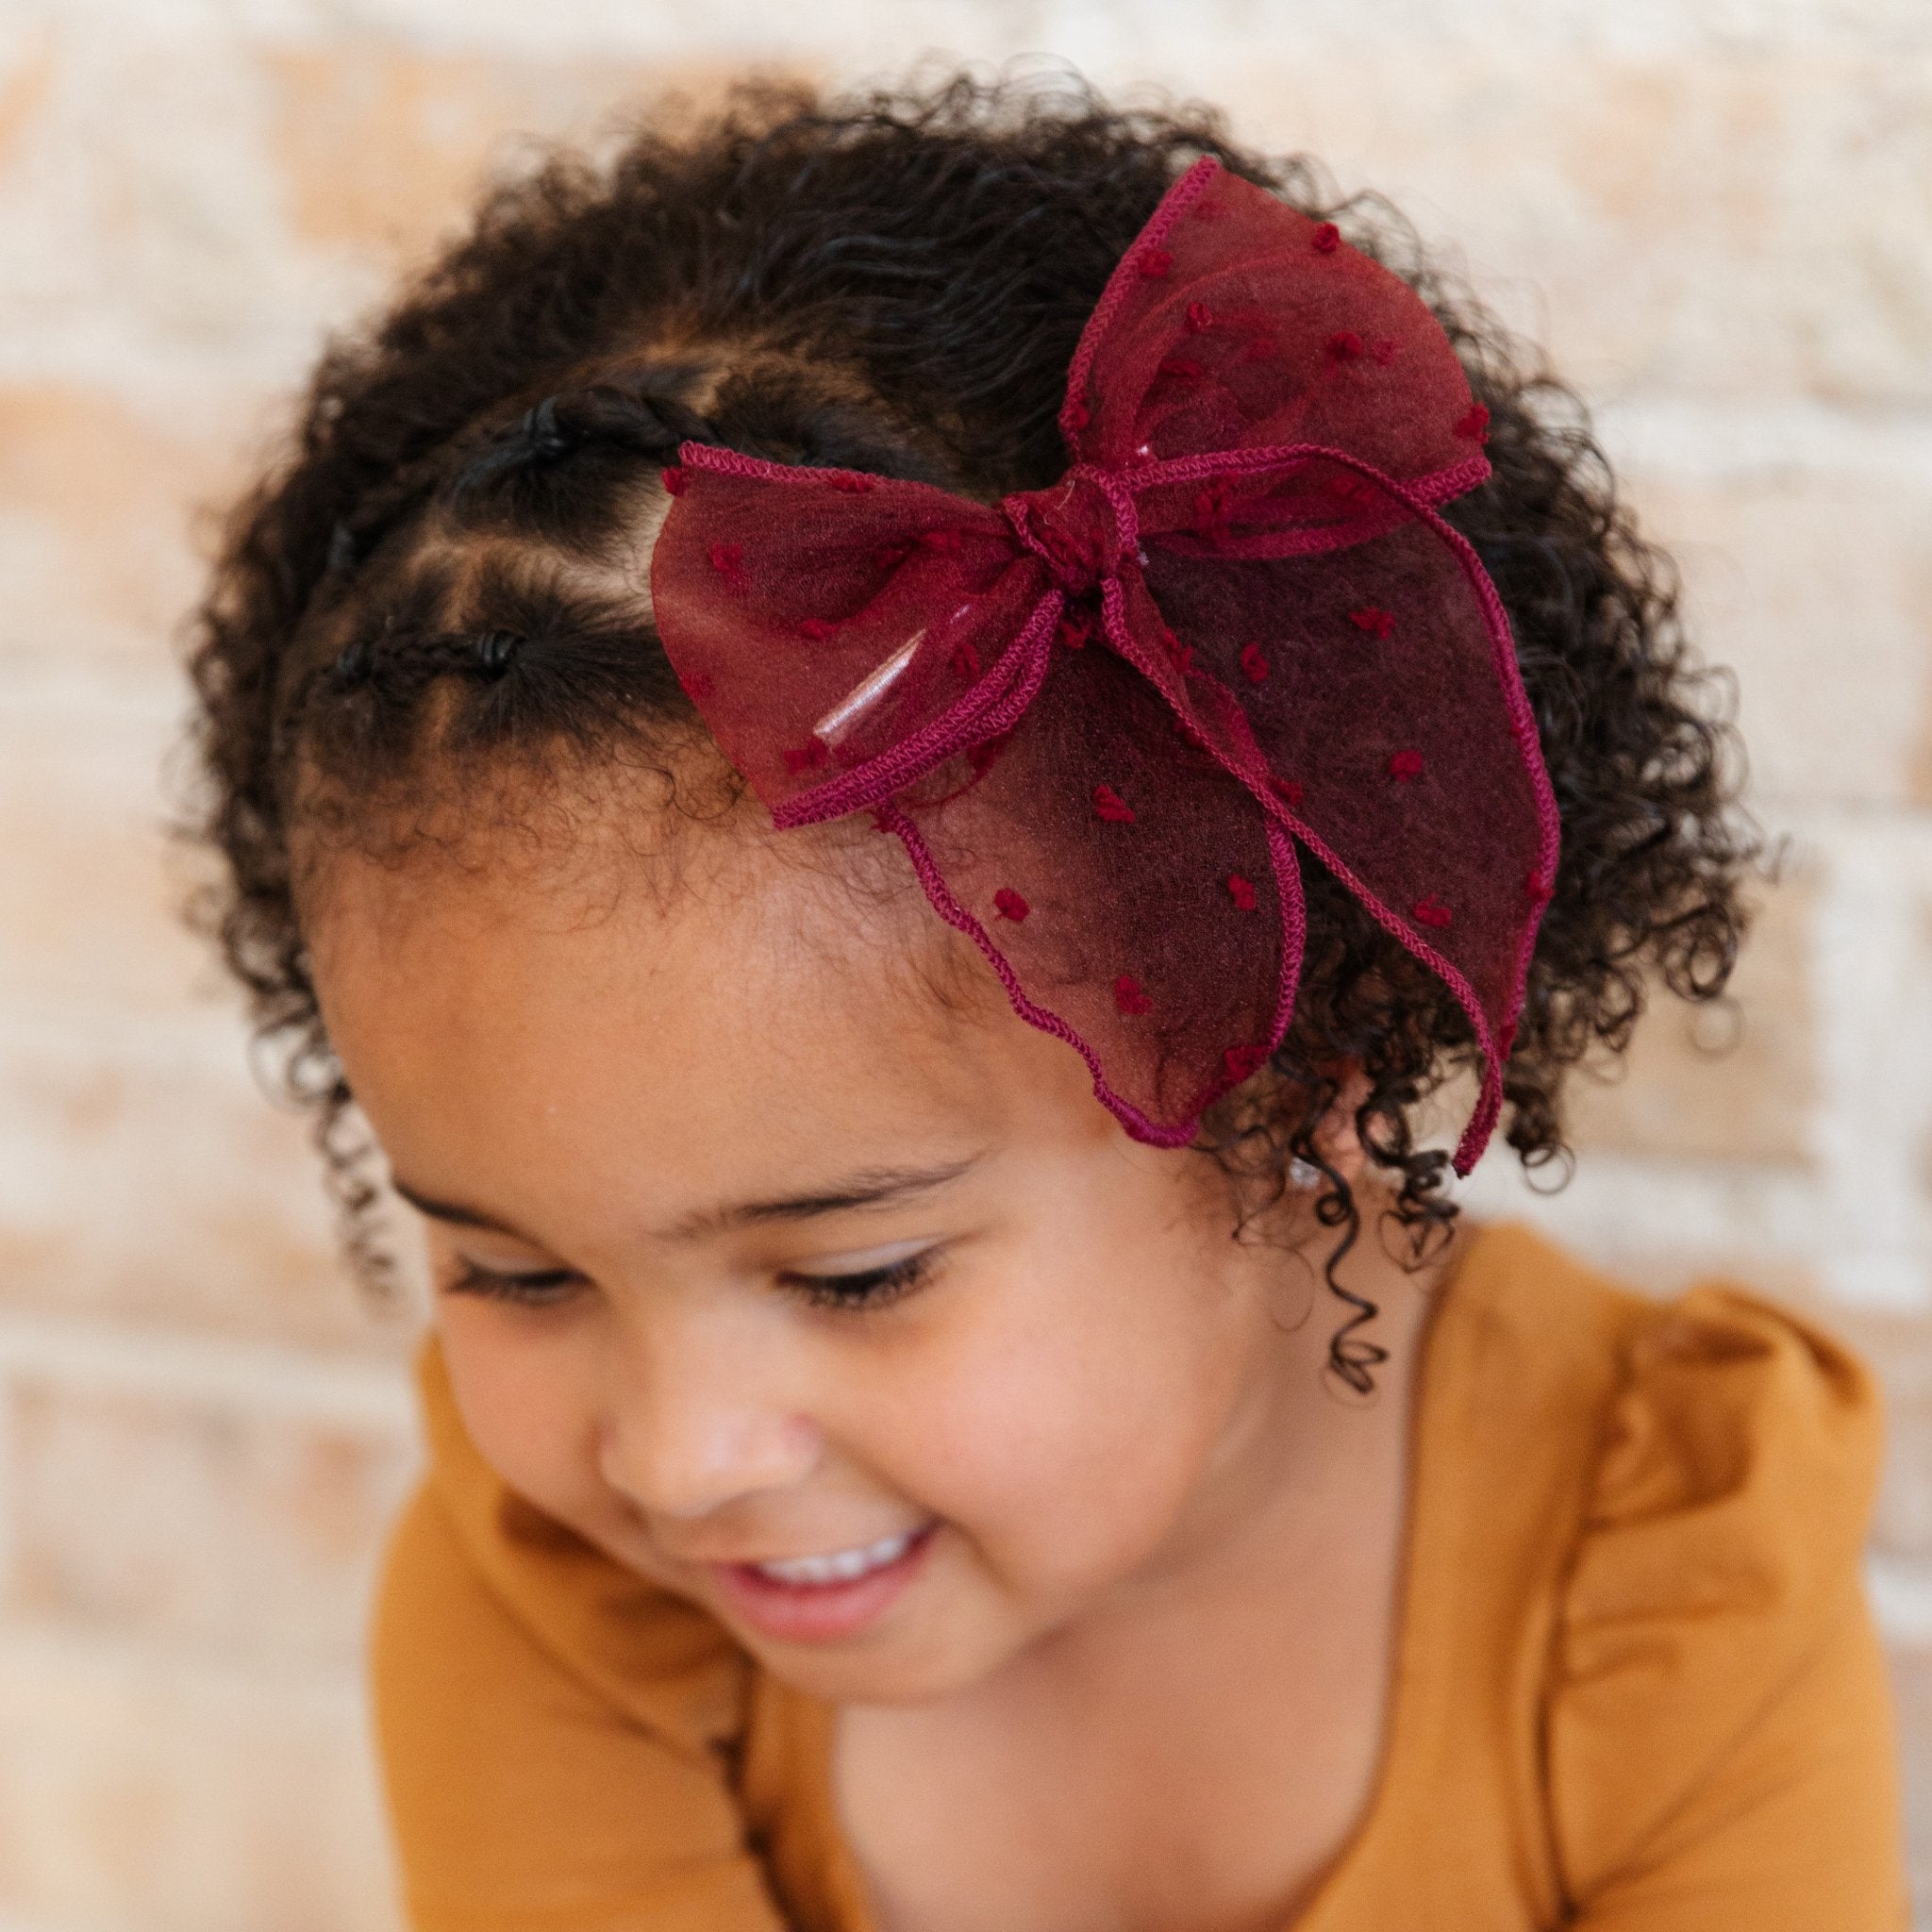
column 818, row 1613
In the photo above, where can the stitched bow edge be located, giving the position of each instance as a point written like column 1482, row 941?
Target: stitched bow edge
column 1295, row 925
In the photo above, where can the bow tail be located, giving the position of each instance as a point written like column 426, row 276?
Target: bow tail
column 1125, row 889
column 1370, row 701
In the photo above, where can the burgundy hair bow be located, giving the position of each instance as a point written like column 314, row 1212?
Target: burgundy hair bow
column 1103, row 715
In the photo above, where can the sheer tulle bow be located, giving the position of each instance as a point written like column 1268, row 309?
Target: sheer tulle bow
column 1103, row 715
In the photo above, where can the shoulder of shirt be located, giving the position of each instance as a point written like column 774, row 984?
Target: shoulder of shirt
column 1715, row 1457
column 651, row 1658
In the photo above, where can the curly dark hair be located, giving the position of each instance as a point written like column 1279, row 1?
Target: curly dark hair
column 897, row 283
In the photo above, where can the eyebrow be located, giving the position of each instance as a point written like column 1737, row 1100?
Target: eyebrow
column 875, row 1187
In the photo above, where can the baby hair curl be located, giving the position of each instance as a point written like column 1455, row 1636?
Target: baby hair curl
column 896, row 283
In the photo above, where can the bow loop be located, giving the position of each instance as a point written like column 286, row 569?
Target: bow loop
column 1104, row 716
column 1234, row 323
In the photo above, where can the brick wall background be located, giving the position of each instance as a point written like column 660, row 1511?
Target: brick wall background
column 1718, row 212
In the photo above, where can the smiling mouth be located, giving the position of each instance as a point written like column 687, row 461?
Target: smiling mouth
column 842, row 1566
column 823, row 1598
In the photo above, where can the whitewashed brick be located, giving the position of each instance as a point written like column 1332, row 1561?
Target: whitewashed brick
column 1814, row 588
column 141, row 1791
column 93, row 893
column 147, row 1180
column 1911, row 1676
column 1736, row 1080
column 210, row 1523
column 98, row 497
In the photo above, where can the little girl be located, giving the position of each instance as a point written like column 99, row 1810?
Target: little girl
column 907, row 755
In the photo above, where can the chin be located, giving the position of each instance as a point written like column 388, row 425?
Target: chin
column 897, row 1669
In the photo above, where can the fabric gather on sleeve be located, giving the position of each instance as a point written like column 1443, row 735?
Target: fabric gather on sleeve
column 1719, row 1558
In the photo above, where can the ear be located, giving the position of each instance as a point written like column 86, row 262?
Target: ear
column 1336, row 1135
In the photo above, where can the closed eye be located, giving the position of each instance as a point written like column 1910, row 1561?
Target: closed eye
column 864, row 1288
column 542, row 1289
column 868, row 1288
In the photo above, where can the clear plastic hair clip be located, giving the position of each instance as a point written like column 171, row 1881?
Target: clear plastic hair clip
column 868, row 691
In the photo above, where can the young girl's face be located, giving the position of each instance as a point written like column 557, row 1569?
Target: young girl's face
column 753, row 1250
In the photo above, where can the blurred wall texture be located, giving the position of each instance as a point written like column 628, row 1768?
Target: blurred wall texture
column 1718, row 212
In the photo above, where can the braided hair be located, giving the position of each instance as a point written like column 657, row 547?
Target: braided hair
column 448, row 565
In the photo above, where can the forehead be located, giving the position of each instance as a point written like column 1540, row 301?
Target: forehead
column 721, row 1016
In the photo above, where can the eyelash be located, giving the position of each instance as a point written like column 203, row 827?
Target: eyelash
column 874, row 1287
column 543, row 1291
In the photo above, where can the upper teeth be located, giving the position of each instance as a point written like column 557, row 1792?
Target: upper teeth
column 843, row 1565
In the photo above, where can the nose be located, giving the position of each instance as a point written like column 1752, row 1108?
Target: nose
column 692, row 1423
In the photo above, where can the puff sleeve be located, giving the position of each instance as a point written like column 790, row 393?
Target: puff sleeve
column 1719, row 1746
column 557, row 1736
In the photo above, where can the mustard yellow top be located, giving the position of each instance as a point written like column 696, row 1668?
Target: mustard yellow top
column 1637, row 1688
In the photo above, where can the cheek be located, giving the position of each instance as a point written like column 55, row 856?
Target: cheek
column 523, row 1401
column 1064, row 1429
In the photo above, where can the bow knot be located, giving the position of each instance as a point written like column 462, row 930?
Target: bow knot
column 1082, row 528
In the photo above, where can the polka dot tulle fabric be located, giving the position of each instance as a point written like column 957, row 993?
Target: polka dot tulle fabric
column 1112, row 718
